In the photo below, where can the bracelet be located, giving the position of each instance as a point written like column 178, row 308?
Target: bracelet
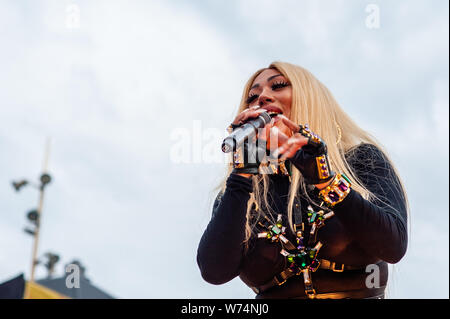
column 238, row 158
column 336, row 191
column 323, row 167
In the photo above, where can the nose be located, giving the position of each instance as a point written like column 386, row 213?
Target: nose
column 264, row 98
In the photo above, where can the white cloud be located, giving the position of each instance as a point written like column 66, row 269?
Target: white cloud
column 111, row 92
column 439, row 109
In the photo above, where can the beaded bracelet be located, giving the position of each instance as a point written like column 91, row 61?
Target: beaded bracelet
column 336, row 191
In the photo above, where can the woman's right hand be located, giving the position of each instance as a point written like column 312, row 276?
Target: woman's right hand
column 251, row 112
column 243, row 117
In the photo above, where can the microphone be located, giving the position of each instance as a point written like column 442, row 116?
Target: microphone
column 248, row 130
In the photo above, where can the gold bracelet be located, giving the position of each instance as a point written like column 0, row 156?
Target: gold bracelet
column 336, row 191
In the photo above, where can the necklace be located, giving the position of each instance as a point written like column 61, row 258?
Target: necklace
column 302, row 258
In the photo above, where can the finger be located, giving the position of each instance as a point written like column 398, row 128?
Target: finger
column 246, row 114
column 293, row 126
column 268, row 130
column 283, row 148
column 252, row 108
column 302, row 139
column 252, row 114
column 264, row 133
column 276, row 137
column 291, row 147
column 291, row 151
column 282, row 138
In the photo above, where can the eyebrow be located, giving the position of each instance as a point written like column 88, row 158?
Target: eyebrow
column 273, row 76
column 270, row 78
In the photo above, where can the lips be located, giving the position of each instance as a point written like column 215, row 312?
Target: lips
column 272, row 109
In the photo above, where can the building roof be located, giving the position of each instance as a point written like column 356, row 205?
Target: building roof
column 85, row 291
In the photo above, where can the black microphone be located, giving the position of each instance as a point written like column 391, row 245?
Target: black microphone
column 248, row 130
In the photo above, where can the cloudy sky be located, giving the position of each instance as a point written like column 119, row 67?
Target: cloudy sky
column 113, row 83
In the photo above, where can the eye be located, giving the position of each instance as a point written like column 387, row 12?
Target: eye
column 279, row 85
column 251, row 98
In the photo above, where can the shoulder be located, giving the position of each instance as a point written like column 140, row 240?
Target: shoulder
column 375, row 171
column 364, row 151
column 367, row 156
column 368, row 159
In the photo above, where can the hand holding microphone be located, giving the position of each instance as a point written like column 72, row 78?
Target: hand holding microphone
column 247, row 131
column 248, row 140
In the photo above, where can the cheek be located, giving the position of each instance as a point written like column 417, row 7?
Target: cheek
column 286, row 100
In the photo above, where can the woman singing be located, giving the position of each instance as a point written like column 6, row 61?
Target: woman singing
column 320, row 214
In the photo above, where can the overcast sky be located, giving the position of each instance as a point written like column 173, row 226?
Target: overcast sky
column 111, row 82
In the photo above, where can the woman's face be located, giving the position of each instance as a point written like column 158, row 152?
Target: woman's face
column 273, row 92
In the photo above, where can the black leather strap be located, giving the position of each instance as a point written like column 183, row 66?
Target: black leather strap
column 283, row 276
column 337, row 267
column 369, row 293
column 278, row 280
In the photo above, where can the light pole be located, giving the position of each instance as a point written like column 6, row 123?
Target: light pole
column 35, row 216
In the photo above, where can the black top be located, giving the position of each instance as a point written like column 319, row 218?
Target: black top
column 360, row 233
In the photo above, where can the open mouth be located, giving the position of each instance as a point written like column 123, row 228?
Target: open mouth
column 273, row 110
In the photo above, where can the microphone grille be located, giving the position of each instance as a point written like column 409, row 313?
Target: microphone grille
column 266, row 117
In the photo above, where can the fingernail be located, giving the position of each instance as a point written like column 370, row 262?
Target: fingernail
column 276, row 153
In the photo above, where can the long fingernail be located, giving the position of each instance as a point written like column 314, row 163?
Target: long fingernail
column 276, row 153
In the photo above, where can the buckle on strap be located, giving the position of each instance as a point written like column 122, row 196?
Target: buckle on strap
column 333, row 267
column 311, row 293
column 277, row 280
column 284, row 275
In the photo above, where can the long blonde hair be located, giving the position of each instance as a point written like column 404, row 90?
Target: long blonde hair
column 314, row 104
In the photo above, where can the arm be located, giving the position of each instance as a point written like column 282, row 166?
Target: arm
column 220, row 249
column 378, row 226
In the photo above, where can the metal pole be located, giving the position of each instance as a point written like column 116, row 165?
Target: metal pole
column 41, row 203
